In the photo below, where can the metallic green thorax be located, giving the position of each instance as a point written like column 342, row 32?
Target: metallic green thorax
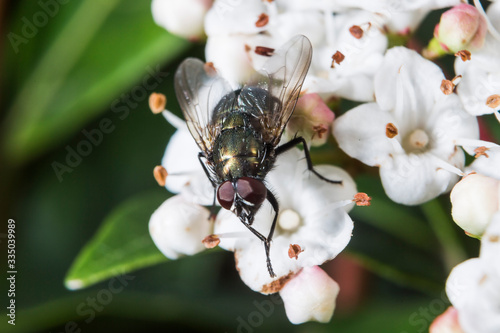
column 239, row 150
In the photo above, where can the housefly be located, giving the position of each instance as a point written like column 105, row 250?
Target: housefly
column 239, row 131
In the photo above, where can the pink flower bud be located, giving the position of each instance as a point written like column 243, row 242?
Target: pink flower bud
column 461, row 27
column 310, row 295
column 311, row 119
column 447, row 322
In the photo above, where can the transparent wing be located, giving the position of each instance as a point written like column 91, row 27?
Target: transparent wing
column 199, row 90
column 282, row 77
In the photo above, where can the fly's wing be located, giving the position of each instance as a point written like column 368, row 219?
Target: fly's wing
column 283, row 75
column 199, row 89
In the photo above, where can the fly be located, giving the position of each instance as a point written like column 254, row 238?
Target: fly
column 238, row 131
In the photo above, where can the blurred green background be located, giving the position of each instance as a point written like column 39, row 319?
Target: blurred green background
column 76, row 76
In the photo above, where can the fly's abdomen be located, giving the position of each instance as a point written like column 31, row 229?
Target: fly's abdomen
column 237, row 153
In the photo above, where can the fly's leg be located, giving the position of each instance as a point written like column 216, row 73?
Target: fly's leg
column 295, row 141
column 267, row 241
column 212, row 209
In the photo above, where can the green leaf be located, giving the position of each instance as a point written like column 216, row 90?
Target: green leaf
column 99, row 50
column 122, row 244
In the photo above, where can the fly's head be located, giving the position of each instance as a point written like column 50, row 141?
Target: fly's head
column 243, row 197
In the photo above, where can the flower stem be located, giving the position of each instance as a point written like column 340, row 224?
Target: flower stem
column 453, row 252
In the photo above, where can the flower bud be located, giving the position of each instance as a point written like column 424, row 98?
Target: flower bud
column 474, row 201
column 447, row 322
column 462, row 27
column 178, row 226
column 310, row 295
column 311, row 119
column 182, row 18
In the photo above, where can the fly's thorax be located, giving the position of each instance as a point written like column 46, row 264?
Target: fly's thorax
column 240, row 152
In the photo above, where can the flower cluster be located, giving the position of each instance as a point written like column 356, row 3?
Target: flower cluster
column 411, row 122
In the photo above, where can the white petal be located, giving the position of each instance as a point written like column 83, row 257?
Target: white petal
column 186, row 174
column 231, row 17
column 409, row 85
column 178, row 226
column 361, row 133
column 183, row 18
column 414, row 179
column 462, row 282
column 474, row 201
column 310, row 295
column 488, row 166
column 490, row 248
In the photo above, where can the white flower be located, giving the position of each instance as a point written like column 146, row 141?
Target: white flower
column 310, row 295
column 312, row 216
column 235, row 32
column 411, row 133
column 178, row 226
column 481, row 74
column 473, row 287
column 181, row 17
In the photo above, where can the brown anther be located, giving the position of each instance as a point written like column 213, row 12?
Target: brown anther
column 356, row 31
column 160, row 174
column 492, row 239
column 481, row 151
column 319, row 130
column 362, row 199
column 338, row 57
column 464, row 55
column 294, row 250
column 157, row 102
column 264, row 51
column 391, row 130
column 447, row 87
column 211, row 241
column 262, row 20
column 493, row 101
column 248, row 48
column 210, row 69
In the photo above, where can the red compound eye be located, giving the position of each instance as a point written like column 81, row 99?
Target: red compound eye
column 251, row 190
column 225, row 194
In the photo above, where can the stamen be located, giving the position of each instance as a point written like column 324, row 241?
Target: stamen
column 481, row 151
column 391, row 130
column 174, row 120
column 289, row 220
column 464, row 55
column 362, row 199
column 294, row 250
column 319, row 130
column 264, row 51
column 160, row 174
column 262, row 20
column 446, row 166
column 338, row 57
column 493, row 101
column 211, row 241
column 157, row 102
column 448, row 86
column 356, row 31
